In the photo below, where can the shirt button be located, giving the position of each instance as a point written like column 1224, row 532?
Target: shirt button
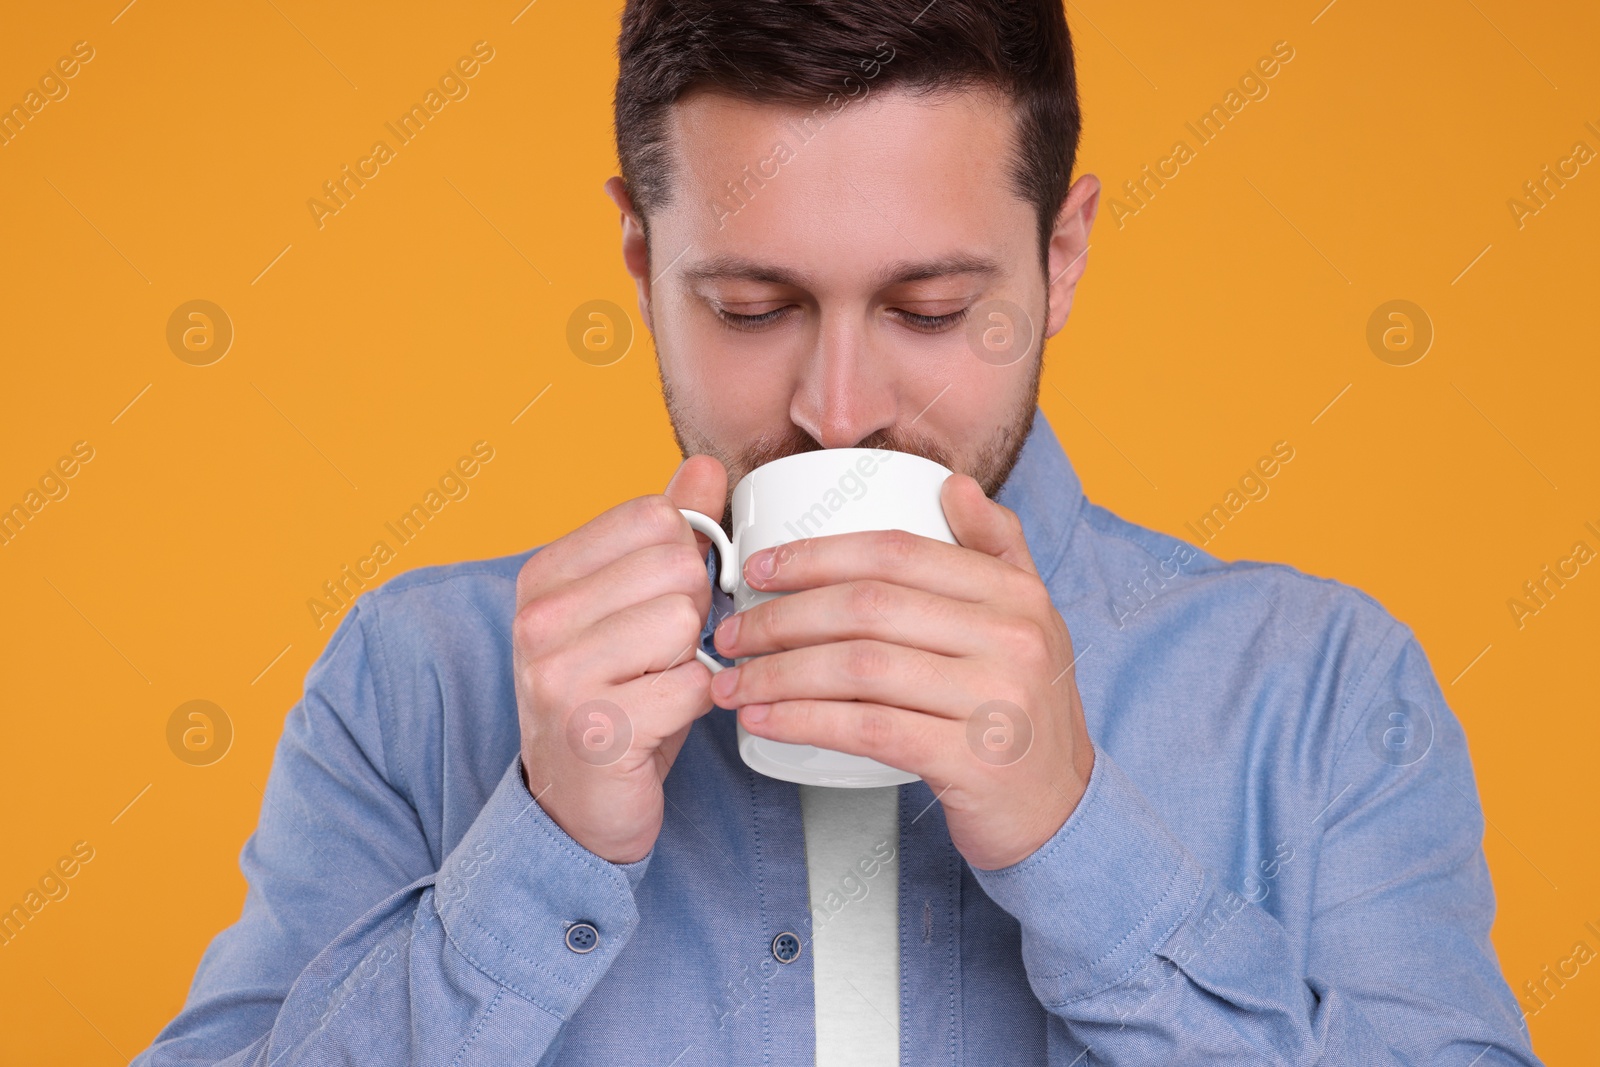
column 582, row 937
column 786, row 948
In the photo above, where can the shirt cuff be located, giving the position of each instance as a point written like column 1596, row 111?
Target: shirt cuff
column 510, row 890
column 1097, row 899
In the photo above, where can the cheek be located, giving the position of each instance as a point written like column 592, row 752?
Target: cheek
column 727, row 382
column 983, row 416
column 979, row 396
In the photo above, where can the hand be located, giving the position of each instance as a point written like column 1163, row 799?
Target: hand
column 607, row 685
column 948, row 661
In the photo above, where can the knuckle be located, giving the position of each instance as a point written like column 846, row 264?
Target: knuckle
column 767, row 675
column 682, row 614
column 1032, row 644
column 1013, row 522
column 1020, row 634
column 874, row 728
column 866, row 660
column 1033, row 593
column 868, row 601
column 764, row 673
column 1044, row 614
column 896, row 548
column 659, row 518
column 768, row 620
column 533, row 623
column 686, row 567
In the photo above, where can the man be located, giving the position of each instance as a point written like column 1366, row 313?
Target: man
column 1230, row 820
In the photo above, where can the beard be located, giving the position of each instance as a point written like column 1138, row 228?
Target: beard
column 989, row 463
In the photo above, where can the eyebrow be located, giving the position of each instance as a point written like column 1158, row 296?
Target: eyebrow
column 730, row 267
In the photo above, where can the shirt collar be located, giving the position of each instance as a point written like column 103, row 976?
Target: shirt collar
column 721, row 608
column 1046, row 494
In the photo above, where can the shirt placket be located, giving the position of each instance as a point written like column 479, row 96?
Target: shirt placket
column 930, row 933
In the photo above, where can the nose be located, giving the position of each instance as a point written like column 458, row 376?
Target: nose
column 845, row 391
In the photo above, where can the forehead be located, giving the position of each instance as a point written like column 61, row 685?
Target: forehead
column 839, row 192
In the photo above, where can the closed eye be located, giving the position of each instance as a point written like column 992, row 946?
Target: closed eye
column 931, row 323
column 918, row 322
column 750, row 323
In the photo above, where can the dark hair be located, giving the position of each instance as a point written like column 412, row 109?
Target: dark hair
column 819, row 52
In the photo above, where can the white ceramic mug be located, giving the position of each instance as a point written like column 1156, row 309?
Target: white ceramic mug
column 814, row 494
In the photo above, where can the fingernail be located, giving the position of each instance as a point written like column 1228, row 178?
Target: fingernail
column 728, row 631
column 755, row 712
column 762, row 565
column 724, row 682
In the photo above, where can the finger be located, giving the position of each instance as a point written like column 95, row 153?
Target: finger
column 663, row 706
column 700, row 484
column 649, row 637
column 852, row 610
column 982, row 524
column 905, row 740
column 628, row 527
column 623, row 725
column 641, row 575
column 893, row 556
column 850, row 670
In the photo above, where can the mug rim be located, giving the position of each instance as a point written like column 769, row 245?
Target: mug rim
column 835, row 452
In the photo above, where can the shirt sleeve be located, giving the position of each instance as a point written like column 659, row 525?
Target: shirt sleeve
column 1138, row 950
column 356, row 946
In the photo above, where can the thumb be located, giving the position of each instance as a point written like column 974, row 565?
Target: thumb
column 700, row 484
column 983, row 525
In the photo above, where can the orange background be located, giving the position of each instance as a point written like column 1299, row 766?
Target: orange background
column 1227, row 314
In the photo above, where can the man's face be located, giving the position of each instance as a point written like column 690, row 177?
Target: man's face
column 824, row 280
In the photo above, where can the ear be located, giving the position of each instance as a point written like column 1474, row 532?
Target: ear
column 1069, row 248
column 635, row 249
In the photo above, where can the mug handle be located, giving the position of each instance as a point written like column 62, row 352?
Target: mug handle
column 727, row 565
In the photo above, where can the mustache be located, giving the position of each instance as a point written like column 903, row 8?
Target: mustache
column 793, row 440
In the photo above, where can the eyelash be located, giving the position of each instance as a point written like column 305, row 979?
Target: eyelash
column 934, row 323
column 920, row 323
column 750, row 323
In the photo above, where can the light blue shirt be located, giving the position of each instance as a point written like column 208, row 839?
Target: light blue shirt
column 1278, row 859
